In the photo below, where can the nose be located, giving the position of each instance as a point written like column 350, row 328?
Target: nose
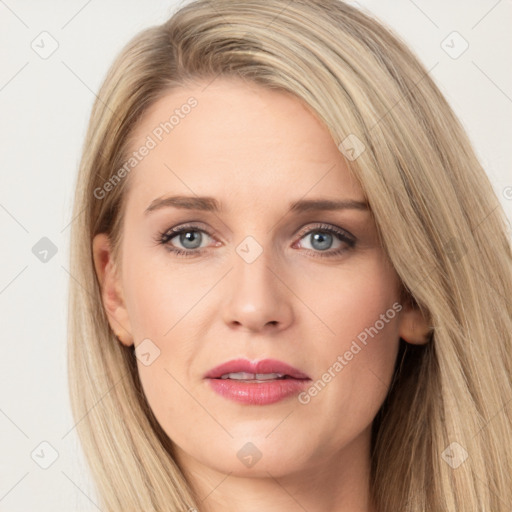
column 258, row 298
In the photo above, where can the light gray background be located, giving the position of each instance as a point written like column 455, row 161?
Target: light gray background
column 45, row 104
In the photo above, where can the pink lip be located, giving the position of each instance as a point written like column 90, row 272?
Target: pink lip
column 263, row 366
column 257, row 393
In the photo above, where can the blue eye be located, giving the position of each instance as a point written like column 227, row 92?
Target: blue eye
column 322, row 237
column 191, row 236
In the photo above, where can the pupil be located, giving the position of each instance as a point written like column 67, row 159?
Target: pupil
column 322, row 238
column 189, row 236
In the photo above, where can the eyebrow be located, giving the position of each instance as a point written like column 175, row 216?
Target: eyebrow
column 210, row 204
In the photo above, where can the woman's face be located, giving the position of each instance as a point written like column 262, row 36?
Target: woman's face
column 254, row 279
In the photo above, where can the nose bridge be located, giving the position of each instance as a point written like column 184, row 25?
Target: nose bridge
column 252, row 262
column 257, row 297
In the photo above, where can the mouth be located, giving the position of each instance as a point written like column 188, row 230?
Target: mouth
column 256, row 383
column 259, row 371
column 255, row 377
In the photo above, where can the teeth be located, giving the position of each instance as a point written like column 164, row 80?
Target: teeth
column 252, row 376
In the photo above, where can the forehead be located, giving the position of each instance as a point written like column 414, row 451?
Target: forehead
column 231, row 139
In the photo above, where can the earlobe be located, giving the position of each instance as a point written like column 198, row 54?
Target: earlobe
column 414, row 328
column 111, row 289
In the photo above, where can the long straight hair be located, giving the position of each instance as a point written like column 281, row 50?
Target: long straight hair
column 438, row 219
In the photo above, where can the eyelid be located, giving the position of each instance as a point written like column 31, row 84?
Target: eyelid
column 192, row 226
column 322, row 226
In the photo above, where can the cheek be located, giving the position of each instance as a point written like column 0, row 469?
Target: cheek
column 165, row 306
column 161, row 300
column 352, row 299
column 357, row 351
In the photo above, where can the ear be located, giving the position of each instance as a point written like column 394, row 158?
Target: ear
column 414, row 327
column 111, row 289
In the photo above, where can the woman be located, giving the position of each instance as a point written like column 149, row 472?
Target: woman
column 299, row 275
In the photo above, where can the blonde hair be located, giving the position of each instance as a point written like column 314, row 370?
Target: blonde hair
column 439, row 221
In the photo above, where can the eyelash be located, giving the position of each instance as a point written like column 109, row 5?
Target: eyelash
column 163, row 238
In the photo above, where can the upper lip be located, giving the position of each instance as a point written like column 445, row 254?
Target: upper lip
column 262, row 366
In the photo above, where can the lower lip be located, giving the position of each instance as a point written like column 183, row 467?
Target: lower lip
column 258, row 393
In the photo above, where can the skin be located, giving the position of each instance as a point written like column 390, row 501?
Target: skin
column 256, row 151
